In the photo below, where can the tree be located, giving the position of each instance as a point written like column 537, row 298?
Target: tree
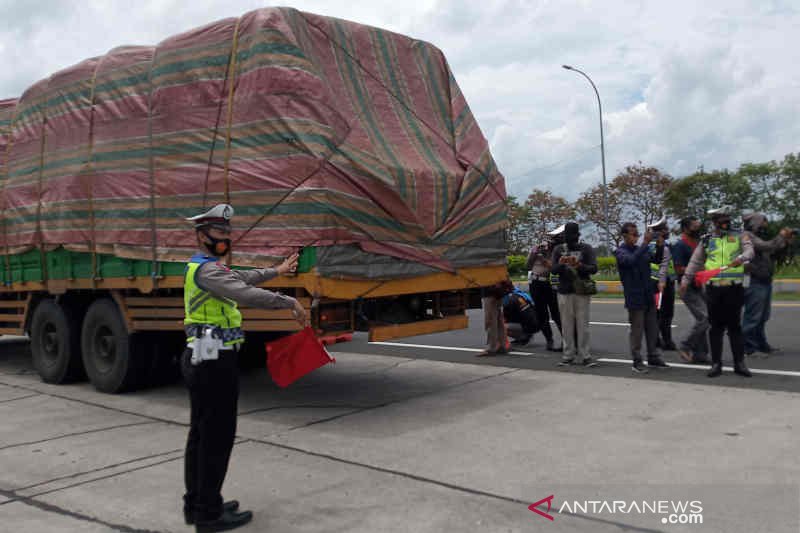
column 545, row 211
column 697, row 193
column 765, row 191
column 788, row 183
column 589, row 207
column 518, row 239
column 641, row 191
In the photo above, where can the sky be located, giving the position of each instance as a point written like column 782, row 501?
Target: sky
column 682, row 83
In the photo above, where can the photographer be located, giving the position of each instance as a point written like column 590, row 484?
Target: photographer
column 758, row 293
column 542, row 290
column 574, row 262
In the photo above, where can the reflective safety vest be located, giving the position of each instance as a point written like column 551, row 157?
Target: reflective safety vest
column 201, row 307
column 721, row 251
column 656, row 267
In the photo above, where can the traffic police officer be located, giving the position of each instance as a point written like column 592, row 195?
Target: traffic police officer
column 661, row 255
column 727, row 249
column 209, row 364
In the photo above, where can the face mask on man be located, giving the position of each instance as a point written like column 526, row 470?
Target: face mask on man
column 217, row 247
column 724, row 224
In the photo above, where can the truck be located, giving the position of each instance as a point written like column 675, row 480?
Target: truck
column 347, row 143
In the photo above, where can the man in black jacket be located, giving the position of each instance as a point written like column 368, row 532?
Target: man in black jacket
column 574, row 261
column 758, row 294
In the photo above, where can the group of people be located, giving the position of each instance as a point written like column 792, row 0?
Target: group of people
column 721, row 276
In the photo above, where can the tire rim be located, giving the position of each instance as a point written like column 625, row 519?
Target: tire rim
column 104, row 349
column 50, row 344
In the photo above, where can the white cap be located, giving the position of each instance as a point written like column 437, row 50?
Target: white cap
column 219, row 214
column 661, row 222
column 724, row 210
column 558, row 231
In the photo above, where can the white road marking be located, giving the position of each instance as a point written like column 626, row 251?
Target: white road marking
column 705, row 368
column 767, row 372
column 612, row 324
column 450, row 348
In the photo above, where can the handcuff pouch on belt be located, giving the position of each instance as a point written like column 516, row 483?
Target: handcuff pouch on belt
column 207, row 343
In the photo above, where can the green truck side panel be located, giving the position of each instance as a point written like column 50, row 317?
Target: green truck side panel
column 63, row 264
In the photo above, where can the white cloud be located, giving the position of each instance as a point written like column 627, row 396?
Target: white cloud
column 682, row 83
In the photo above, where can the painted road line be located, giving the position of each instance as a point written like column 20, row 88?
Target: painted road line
column 705, row 367
column 766, row 372
column 449, row 348
column 678, row 302
column 612, row 324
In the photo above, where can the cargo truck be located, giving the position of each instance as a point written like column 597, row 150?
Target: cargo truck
column 350, row 144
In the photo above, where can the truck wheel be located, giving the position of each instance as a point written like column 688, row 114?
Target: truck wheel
column 55, row 343
column 111, row 361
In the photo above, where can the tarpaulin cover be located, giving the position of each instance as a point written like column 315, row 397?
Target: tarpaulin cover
column 292, row 357
column 320, row 132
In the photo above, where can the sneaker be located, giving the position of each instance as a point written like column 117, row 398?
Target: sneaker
column 656, row 362
column 589, row 362
column 566, row 361
column 521, row 342
column 639, row 368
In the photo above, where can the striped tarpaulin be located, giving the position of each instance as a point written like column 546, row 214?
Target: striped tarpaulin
column 319, row 131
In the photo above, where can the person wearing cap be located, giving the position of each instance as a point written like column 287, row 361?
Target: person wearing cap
column 693, row 347
column 574, row 262
column 661, row 258
column 545, row 301
column 727, row 250
column 634, row 266
column 758, row 292
column 212, row 292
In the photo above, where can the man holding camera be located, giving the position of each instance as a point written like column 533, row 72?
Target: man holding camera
column 633, row 263
column 758, row 292
column 574, row 262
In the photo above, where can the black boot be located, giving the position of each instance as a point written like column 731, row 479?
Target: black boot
column 188, row 514
column 716, row 370
column 739, row 367
column 227, row 521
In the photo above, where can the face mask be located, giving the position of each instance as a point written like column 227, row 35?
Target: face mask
column 572, row 241
column 724, row 225
column 695, row 234
column 217, row 247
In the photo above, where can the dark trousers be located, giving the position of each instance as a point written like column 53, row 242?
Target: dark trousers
column 725, row 313
column 545, row 303
column 214, row 393
column 666, row 313
column 757, row 305
column 643, row 322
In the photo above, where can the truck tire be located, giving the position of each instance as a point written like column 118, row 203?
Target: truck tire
column 110, row 357
column 55, row 343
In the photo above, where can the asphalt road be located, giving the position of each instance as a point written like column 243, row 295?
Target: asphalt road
column 609, row 344
column 399, row 439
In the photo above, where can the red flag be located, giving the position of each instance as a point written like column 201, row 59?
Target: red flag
column 292, row 357
column 702, row 277
column 658, row 296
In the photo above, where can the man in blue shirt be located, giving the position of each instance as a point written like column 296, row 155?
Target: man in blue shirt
column 633, row 263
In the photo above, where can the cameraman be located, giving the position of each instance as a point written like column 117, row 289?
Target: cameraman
column 758, row 294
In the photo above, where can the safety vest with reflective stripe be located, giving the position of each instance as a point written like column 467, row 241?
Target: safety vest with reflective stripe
column 721, row 251
column 201, row 307
column 655, row 268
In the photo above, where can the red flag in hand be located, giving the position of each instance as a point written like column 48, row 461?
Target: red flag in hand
column 292, row 357
column 702, row 277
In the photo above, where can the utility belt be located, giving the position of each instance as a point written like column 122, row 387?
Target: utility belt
column 724, row 283
column 207, row 341
column 540, row 277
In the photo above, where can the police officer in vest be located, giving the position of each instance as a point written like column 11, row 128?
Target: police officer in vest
column 727, row 249
column 209, row 364
column 661, row 255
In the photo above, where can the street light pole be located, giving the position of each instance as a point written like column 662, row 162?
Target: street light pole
column 602, row 154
